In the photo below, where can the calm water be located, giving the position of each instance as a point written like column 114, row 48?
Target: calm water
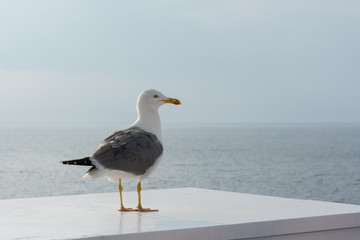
column 316, row 161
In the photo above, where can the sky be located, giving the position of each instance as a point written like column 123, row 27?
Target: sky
column 86, row 61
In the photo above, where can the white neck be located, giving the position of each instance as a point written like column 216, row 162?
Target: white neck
column 149, row 120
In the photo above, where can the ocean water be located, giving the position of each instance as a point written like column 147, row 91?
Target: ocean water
column 307, row 161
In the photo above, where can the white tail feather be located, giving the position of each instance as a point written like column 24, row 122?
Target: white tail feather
column 95, row 173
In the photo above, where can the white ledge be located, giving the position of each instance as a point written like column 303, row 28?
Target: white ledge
column 186, row 213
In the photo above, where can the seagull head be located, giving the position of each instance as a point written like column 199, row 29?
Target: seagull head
column 153, row 99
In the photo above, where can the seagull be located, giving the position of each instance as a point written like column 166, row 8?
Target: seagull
column 132, row 153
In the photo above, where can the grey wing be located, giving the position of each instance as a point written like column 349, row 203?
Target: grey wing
column 132, row 150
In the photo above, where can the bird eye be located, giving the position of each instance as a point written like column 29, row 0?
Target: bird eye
column 156, row 96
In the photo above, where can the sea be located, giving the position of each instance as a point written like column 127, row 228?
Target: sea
column 306, row 161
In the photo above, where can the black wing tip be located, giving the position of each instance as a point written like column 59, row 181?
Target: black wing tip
column 82, row 162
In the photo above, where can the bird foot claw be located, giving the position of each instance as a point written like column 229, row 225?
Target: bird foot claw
column 140, row 209
column 123, row 209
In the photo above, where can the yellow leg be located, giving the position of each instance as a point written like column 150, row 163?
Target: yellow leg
column 122, row 208
column 139, row 207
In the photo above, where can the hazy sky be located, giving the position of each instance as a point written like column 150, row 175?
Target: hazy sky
column 85, row 62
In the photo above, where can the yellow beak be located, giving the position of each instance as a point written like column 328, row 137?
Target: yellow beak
column 173, row 101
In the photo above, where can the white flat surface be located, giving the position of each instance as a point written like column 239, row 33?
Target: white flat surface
column 186, row 213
